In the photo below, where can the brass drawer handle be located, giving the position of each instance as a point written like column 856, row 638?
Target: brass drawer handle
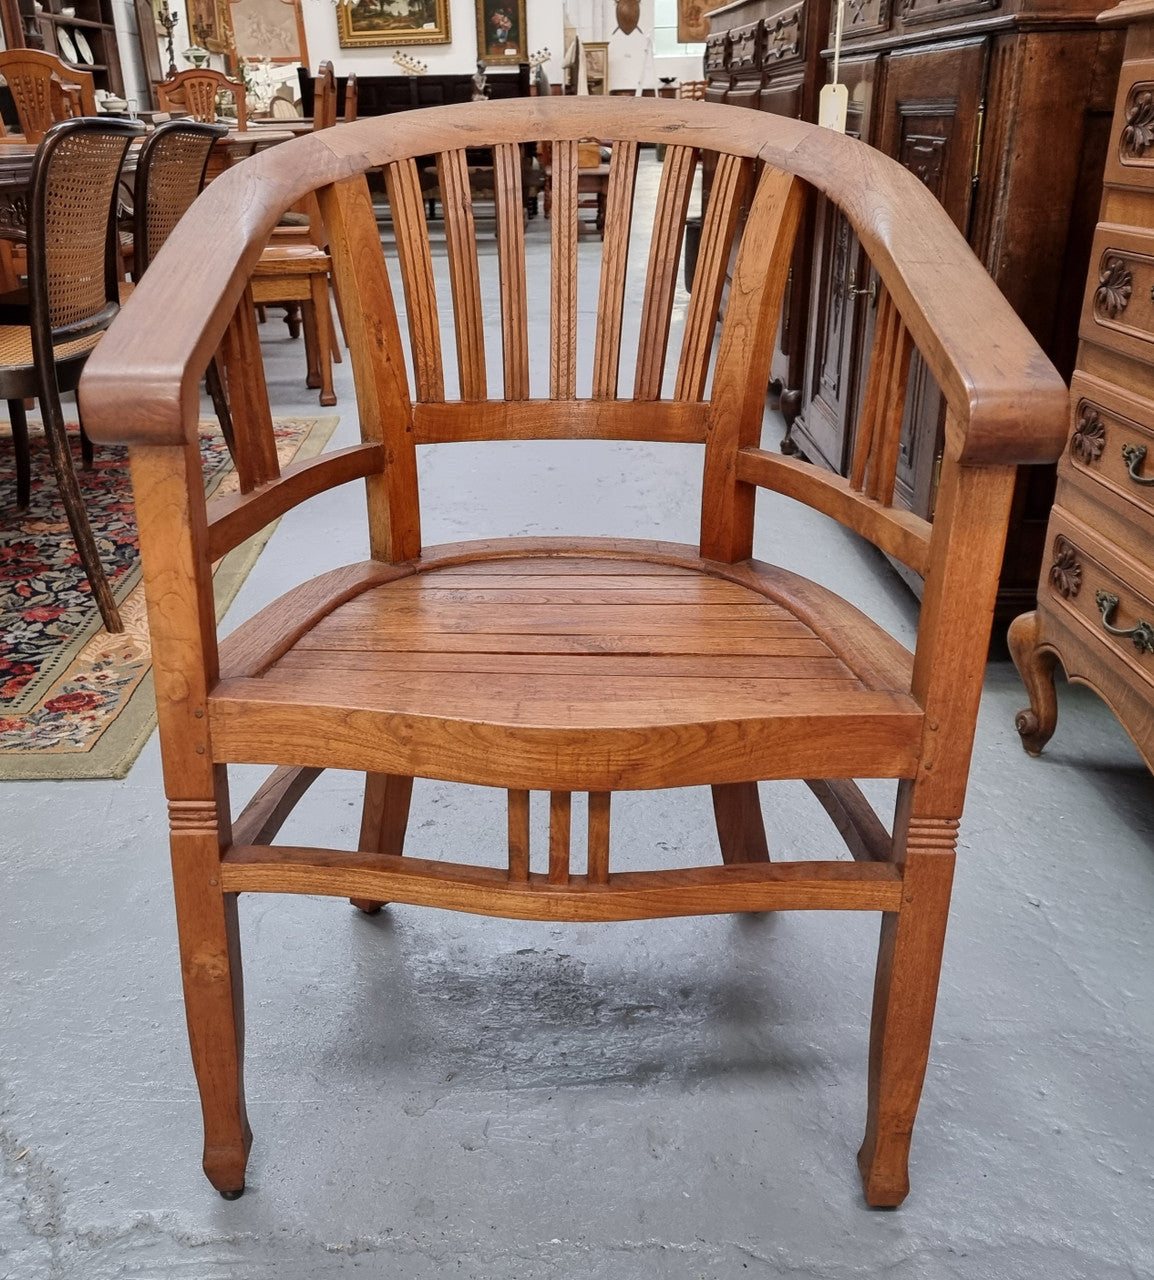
column 1133, row 455
column 1142, row 634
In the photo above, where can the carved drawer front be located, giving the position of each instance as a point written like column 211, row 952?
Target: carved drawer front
column 745, row 44
column 914, row 12
column 1118, row 310
column 1130, row 158
column 784, row 38
column 862, row 17
column 717, row 52
column 1110, row 595
column 1112, row 440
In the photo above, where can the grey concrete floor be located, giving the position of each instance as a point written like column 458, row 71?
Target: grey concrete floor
column 436, row 1095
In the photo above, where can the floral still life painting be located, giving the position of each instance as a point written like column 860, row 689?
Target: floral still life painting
column 501, row 36
column 377, row 22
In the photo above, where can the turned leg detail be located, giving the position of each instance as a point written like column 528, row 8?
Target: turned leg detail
column 1037, row 722
column 905, row 992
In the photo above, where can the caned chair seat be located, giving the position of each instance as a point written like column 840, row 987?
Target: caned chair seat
column 632, row 669
column 16, row 346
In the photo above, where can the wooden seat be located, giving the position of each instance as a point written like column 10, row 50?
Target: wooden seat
column 575, row 664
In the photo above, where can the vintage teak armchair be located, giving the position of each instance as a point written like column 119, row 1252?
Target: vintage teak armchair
column 571, row 664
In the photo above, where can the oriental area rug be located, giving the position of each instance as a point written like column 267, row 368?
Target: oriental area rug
column 76, row 702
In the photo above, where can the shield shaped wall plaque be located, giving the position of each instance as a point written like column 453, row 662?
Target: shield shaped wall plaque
column 628, row 15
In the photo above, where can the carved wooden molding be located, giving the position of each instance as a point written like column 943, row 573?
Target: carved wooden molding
column 1138, row 132
column 1115, row 284
column 193, row 818
column 1089, row 437
column 1066, row 571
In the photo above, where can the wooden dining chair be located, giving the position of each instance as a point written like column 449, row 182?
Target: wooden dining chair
column 73, row 293
column 199, row 91
column 292, row 272
column 573, row 664
column 45, row 89
column 169, row 176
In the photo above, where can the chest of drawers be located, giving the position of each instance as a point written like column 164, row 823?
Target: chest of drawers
column 1095, row 611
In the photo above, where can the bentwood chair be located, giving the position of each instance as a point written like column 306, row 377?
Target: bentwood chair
column 72, row 295
column 45, row 89
column 576, row 664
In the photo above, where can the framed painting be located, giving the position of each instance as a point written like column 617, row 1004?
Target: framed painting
column 368, row 22
column 268, row 30
column 596, row 65
column 501, row 36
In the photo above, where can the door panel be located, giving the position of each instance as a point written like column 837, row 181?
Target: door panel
column 929, row 120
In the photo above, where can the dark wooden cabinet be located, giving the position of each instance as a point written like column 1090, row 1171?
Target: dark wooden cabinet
column 766, row 55
column 1002, row 108
column 86, row 37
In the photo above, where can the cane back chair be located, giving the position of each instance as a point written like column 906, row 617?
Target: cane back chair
column 571, row 664
column 72, row 295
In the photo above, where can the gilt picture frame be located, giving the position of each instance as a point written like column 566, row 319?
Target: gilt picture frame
column 393, row 22
column 502, row 38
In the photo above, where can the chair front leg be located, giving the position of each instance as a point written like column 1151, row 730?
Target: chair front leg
column 905, row 993
column 213, row 989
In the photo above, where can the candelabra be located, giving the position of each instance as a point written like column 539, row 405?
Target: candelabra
column 409, row 65
column 168, row 20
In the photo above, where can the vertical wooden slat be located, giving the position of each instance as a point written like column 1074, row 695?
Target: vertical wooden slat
column 879, row 431
column 881, row 353
column 661, row 278
column 563, row 295
column 383, row 405
column 598, row 868
column 464, row 274
column 740, row 824
column 614, row 262
column 737, row 401
column 519, row 836
column 412, row 234
column 511, row 258
column 254, row 445
column 733, row 173
column 560, row 824
column 384, row 819
column 883, row 474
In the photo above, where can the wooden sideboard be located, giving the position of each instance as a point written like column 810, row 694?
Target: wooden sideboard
column 1002, row 108
column 1095, row 610
column 766, row 55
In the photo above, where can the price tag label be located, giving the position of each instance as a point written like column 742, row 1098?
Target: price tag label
column 832, row 105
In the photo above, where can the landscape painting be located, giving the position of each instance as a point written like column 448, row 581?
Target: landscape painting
column 368, row 22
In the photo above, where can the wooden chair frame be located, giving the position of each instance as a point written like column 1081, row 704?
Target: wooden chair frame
column 895, row 715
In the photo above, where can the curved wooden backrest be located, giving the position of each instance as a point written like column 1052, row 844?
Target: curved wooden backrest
column 614, row 375
column 169, row 175
column 46, row 89
column 197, row 90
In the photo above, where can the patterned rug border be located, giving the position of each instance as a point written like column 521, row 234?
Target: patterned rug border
column 116, row 750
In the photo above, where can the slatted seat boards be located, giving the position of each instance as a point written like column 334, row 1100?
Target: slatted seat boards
column 563, row 665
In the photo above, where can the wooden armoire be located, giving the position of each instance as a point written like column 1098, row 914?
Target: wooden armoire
column 1002, row 108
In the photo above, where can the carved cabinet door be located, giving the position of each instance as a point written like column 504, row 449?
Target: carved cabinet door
column 842, row 307
column 930, row 119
